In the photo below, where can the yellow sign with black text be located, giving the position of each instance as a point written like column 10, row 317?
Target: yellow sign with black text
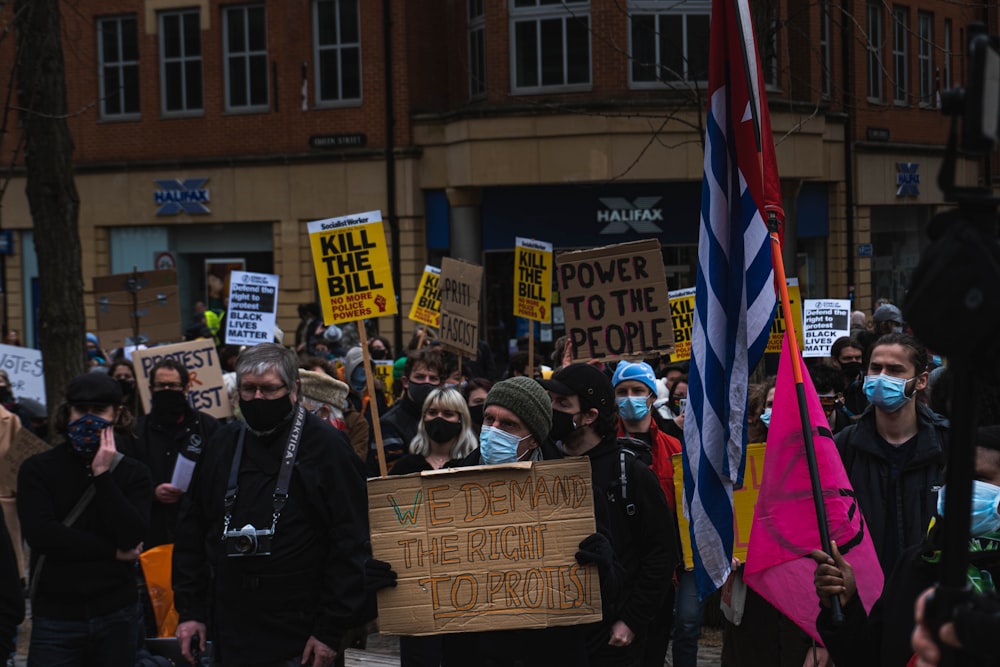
column 533, row 279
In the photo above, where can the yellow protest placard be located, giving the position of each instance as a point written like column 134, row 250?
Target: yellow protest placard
column 744, row 501
column 383, row 371
column 778, row 326
column 426, row 307
column 352, row 267
column 485, row 548
column 533, row 279
column 682, row 315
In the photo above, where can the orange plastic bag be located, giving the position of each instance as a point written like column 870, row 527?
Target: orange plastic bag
column 156, row 568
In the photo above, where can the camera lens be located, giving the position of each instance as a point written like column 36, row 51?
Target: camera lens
column 245, row 543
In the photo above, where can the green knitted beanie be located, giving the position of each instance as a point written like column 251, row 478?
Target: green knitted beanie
column 525, row 398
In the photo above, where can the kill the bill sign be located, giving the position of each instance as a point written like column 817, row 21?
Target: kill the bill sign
column 352, row 267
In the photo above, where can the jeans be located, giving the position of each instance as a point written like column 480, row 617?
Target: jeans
column 99, row 642
column 687, row 621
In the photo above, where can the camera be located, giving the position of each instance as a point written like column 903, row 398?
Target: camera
column 248, row 541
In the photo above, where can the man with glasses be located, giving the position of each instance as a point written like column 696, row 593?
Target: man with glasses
column 171, row 437
column 275, row 530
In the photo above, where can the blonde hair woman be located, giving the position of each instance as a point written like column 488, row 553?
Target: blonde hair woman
column 444, row 435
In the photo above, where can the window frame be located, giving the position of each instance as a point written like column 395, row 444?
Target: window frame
column 925, row 59
column 874, row 25
column 340, row 46
column 658, row 9
column 477, row 48
column 825, row 72
column 900, row 55
column 565, row 11
column 946, row 42
column 184, row 59
column 247, row 56
column 120, row 65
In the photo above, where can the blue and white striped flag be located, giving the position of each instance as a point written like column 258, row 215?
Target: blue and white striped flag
column 735, row 297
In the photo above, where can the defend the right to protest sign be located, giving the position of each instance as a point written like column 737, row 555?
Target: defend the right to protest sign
column 207, row 392
column 253, row 307
column 615, row 301
column 823, row 322
column 485, row 548
column 426, row 308
column 352, row 267
column 461, row 287
column 24, row 368
column 533, row 279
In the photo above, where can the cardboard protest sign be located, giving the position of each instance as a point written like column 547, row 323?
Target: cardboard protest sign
column 352, row 267
column 426, row 307
column 485, row 548
column 744, row 501
column 774, row 341
column 615, row 301
column 461, row 287
column 207, row 392
column 151, row 296
column 23, row 445
column 824, row 321
column 24, row 368
column 533, row 279
column 253, row 306
column 682, row 317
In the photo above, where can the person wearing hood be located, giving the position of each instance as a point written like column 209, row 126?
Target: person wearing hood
column 172, row 432
column 84, row 511
column 894, row 454
column 847, row 355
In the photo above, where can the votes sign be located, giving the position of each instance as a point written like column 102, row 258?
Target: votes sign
column 485, row 548
column 352, row 267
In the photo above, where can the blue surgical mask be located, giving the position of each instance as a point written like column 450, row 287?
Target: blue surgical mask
column 496, row 446
column 359, row 381
column 632, row 408
column 887, row 392
column 985, row 498
column 85, row 434
column 766, row 417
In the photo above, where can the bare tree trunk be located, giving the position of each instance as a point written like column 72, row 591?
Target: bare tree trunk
column 52, row 196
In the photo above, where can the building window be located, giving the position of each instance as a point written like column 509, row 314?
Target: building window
column 900, row 54
column 875, row 52
column 180, row 59
column 551, row 46
column 925, row 57
column 946, row 83
column 826, row 83
column 669, row 41
column 244, row 41
column 477, row 49
column 118, row 51
column 337, row 39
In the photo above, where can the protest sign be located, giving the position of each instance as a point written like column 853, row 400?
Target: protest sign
column 615, row 301
column 744, row 500
column 253, row 306
column 774, row 341
column 383, row 371
column 352, row 267
column 148, row 296
column 24, row 368
column 682, row 317
column 199, row 357
column 532, row 279
column 461, row 286
column 426, row 307
column 824, row 321
column 485, row 548
column 23, row 445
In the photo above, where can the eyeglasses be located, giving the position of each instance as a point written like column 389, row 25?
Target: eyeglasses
column 165, row 386
column 249, row 391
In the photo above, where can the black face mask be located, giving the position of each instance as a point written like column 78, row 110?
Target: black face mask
column 5, row 395
column 851, row 370
column 441, row 430
column 476, row 413
column 563, row 423
column 128, row 386
column 168, row 405
column 419, row 391
column 262, row 414
column 380, row 353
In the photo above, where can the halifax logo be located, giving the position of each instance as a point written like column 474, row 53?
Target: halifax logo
column 638, row 215
column 907, row 179
column 176, row 196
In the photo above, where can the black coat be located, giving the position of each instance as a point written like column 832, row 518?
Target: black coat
column 312, row 583
column 399, row 426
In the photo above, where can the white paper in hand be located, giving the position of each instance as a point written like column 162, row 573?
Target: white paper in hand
column 183, row 470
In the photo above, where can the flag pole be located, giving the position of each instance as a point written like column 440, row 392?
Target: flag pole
column 800, row 393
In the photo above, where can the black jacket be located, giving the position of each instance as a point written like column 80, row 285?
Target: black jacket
column 399, row 427
column 11, row 592
column 915, row 500
column 157, row 446
column 312, row 583
column 81, row 578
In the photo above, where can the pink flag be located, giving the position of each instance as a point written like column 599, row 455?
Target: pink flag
column 784, row 529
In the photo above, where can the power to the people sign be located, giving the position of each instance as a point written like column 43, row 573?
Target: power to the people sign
column 533, row 279
column 352, row 267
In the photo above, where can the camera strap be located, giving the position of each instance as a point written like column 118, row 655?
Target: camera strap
column 284, row 473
